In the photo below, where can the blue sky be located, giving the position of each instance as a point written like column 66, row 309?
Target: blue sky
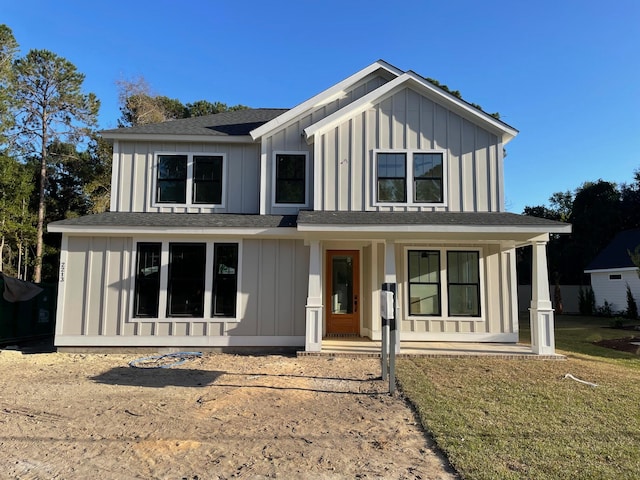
column 566, row 73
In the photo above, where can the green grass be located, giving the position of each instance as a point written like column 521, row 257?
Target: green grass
column 513, row 419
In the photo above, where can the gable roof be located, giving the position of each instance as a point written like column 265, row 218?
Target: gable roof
column 616, row 254
column 422, row 86
column 325, row 96
column 225, row 124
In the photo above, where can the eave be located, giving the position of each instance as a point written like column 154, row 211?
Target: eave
column 155, row 137
column 323, row 97
column 422, row 86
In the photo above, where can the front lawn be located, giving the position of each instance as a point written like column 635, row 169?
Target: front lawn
column 512, row 419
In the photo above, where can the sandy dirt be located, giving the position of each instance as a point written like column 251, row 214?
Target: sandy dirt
column 67, row 416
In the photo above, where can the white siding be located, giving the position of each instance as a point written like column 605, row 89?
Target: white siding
column 615, row 291
column 134, row 187
column 97, row 288
column 408, row 121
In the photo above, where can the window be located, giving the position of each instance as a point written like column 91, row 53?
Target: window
column 147, row 289
column 225, row 279
column 424, row 282
column 190, row 280
column 463, row 281
column 207, row 179
column 188, row 179
column 425, row 184
column 172, row 179
column 392, row 177
column 291, row 178
column 185, row 286
column 427, row 177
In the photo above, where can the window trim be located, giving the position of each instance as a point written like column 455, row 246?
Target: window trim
column 444, row 283
column 164, row 277
column 307, row 182
column 409, row 178
column 190, row 180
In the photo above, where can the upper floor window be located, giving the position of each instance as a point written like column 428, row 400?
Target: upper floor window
column 190, row 179
column 410, row 177
column 290, row 178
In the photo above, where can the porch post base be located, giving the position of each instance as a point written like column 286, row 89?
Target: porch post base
column 542, row 334
column 313, row 336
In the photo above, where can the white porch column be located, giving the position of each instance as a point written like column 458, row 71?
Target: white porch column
column 390, row 277
column 541, row 314
column 313, row 335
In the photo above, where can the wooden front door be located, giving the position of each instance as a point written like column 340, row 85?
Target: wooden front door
column 342, row 289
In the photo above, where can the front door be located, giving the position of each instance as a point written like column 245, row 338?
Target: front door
column 342, row 292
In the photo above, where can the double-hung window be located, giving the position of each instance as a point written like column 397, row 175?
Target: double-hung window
column 443, row 283
column 463, row 279
column 410, row 177
column 190, row 179
column 200, row 280
column 424, row 282
column 291, row 178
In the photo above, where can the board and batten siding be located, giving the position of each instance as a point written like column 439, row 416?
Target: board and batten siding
column 290, row 139
column 135, row 172
column 408, row 121
column 97, row 289
column 499, row 313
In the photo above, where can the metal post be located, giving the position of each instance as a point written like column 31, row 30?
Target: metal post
column 385, row 332
column 392, row 344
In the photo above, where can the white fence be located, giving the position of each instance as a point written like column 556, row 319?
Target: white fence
column 569, row 295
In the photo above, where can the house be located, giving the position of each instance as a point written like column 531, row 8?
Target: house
column 276, row 228
column 612, row 270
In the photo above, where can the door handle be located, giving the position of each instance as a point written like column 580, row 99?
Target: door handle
column 355, row 304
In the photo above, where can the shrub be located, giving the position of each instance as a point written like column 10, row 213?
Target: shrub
column 586, row 301
column 632, row 306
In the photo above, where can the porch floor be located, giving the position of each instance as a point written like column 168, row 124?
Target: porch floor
column 361, row 346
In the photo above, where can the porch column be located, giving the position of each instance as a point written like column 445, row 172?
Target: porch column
column 390, row 277
column 313, row 336
column 541, row 313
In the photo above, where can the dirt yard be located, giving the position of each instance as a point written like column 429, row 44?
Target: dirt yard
column 68, row 416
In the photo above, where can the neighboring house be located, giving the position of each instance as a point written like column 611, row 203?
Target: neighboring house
column 612, row 270
column 276, row 228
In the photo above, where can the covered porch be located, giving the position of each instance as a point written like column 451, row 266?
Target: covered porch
column 361, row 346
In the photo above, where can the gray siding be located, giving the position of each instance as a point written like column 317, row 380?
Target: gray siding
column 290, row 138
column 97, row 293
column 134, row 182
column 409, row 121
column 497, row 314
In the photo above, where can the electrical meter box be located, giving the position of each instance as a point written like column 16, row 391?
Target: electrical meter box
column 386, row 305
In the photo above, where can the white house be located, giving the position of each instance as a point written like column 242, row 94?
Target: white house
column 276, row 228
column 612, row 270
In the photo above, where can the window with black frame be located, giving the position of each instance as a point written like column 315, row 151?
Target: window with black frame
column 391, row 171
column 207, row 179
column 427, row 178
column 225, row 279
column 185, row 285
column 290, row 183
column 147, row 280
column 424, row 282
column 171, row 182
column 463, row 279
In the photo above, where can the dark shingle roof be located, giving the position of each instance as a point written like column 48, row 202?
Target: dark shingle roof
column 616, row 254
column 179, row 220
column 239, row 122
column 425, row 218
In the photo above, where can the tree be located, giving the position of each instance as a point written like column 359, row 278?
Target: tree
column 16, row 220
column 8, row 49
column 49, row 105
column 139, row 106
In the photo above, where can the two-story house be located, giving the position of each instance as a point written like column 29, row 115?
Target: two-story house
column 277, row 228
